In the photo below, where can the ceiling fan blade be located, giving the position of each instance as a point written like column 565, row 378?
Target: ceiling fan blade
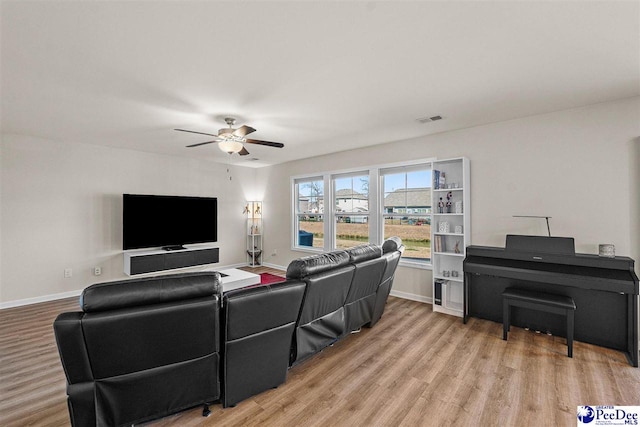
column 201, row 143
column 191, row 131
column 270, row 144
column 243, row 152
column 243, row 130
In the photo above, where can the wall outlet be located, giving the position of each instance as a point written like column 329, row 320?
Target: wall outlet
column 97, row 271
column 274, row 253
column 68, row 272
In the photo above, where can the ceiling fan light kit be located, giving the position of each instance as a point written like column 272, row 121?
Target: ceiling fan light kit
column 230, row 146
column 232, row 140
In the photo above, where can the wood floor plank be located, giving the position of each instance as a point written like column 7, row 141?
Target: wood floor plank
column 414, row 368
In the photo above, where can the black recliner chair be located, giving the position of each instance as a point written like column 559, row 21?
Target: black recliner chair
column 392, row 250
column 258, row 326
column 361, row 299
column 141, row 349
column 321, row 321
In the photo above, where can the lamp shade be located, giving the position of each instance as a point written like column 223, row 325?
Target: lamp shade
column 230, row 146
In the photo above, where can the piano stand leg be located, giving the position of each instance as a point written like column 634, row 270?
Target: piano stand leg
column 506, row 311
column 570, row 333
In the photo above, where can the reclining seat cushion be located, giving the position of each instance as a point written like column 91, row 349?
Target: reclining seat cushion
column 258, row 329
column 392, row 244
column 314, row 264
column 149, row 290
column 393, row 249
column 147, row 360
column 153, row 361
column 360, row 302
column 364, row 252
column 321, row 320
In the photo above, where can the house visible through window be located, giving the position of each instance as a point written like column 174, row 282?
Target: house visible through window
column 367, row 205
column 407, row 207
column 351, row 213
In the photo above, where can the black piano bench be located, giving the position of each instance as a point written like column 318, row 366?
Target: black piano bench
column 550, row 303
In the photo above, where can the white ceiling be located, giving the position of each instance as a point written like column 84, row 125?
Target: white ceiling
column 320, row 77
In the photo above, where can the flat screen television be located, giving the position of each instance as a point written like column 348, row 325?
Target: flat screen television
column 169, row 221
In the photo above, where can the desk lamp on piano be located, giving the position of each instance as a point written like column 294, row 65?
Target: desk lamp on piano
column 605, row 290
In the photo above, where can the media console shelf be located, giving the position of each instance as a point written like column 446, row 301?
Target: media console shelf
column 149, row 261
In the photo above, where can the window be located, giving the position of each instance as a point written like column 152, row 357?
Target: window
column 351, row 211
column 309, row 213
column 406, row 206
column 365, row 205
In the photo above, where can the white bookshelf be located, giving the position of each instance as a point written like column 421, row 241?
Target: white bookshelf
column 447, row 262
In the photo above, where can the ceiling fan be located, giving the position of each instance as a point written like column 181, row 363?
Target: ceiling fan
column 232, row 140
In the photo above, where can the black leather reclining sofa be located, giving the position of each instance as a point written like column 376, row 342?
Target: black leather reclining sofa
column 145, row 348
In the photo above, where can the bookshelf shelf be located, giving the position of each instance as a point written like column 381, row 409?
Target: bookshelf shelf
column 448, row 253
column 450, row 230
column 452, row 279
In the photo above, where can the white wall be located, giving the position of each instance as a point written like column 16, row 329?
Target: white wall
column 61, row 206
column 576, row 166
column 60, row 203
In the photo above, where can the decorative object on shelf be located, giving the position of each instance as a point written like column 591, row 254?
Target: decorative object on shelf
column 449, row 196
column 458, row 207
column 439, row 180
column 440, row 206
column 454, row 273
column 607, row 250
column 458, row 229
column 446, row 273
column 456, row 248
column 443, row 227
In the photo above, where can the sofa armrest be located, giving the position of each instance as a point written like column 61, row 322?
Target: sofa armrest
column 73, row 352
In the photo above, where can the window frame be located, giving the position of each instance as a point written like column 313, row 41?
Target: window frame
column 296, row 181
column 376, row 205
column 406, row 168
column 335, row 214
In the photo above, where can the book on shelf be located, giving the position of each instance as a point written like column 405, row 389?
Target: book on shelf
column 437, row 292
column 439, row 179
column 439, row 244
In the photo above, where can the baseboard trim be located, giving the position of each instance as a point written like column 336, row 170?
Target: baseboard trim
column 36, row 300
column 278, row 267
column 412, row 297
column 69, row 294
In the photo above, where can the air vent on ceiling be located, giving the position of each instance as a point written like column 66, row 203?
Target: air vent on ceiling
column 429, row 119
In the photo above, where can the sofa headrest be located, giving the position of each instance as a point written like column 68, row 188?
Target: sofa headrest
column 150, row 290
column 305, row 266
column 364, row 252
column 392, row 244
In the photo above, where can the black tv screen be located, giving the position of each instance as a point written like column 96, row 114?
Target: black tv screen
column 150, row 221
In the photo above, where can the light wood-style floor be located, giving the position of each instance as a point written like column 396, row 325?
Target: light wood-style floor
column 415, row 367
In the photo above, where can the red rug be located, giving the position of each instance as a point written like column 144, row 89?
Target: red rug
column 268, row 279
